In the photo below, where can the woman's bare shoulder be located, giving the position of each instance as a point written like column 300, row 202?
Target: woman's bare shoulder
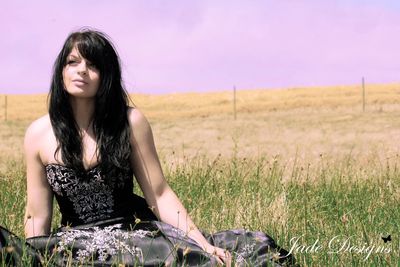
column 38, row 129
column 137, row 119
column 140, row 127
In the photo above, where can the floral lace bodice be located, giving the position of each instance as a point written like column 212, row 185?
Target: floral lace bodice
column 89, row 199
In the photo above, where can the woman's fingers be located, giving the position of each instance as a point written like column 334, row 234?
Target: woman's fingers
column 219, row 261
column 228, row 258
column 223, row 256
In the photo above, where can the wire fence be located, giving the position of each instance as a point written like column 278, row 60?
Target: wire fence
column 234, row 102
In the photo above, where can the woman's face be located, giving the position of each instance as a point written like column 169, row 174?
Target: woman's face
column 81, row 78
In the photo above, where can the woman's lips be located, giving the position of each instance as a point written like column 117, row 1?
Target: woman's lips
column 79, row 82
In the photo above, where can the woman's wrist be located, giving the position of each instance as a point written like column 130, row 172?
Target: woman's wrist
column 198, row 237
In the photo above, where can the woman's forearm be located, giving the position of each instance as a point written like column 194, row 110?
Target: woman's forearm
column 171, row 211
column 36, row 226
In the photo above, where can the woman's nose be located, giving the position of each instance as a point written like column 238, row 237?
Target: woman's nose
column 82, row 68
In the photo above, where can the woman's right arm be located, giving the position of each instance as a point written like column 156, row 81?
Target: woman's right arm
column 39, row 201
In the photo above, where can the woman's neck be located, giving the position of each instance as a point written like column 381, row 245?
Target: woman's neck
column 83, row 109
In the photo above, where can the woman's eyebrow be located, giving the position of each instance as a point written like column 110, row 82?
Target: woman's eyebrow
column 73, row 56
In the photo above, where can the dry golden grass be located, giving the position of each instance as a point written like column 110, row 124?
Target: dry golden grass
column 305, row 125
column 327, row 168
column 187, row 105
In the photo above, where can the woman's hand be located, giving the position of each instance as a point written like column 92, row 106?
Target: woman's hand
column 222, row 256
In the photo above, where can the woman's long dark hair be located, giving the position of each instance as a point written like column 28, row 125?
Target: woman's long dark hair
column 110, row 122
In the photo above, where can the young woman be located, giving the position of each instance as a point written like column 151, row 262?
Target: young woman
column 85, row 153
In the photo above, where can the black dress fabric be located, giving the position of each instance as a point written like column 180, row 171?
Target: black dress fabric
column 105, row 224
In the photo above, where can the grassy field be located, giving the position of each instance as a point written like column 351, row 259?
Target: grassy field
column 305, row 165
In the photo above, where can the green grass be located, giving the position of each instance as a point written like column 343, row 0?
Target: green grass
column 314, row 204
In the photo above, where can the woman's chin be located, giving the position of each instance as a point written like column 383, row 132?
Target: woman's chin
column 81, row 92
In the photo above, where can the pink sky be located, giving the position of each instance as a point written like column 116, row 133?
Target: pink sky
column 172, row 46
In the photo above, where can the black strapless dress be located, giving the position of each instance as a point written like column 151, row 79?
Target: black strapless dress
column 105, row 224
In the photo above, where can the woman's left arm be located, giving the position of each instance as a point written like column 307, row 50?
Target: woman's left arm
column 158, row 194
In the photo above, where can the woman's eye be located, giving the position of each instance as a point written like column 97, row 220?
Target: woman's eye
column 69, row 62
column 91, row 65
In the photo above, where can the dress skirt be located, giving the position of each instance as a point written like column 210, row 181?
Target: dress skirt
column 119, row 242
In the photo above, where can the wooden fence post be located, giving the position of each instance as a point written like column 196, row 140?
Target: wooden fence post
column 234, row 102
column 5, row 108
column 363, row 94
